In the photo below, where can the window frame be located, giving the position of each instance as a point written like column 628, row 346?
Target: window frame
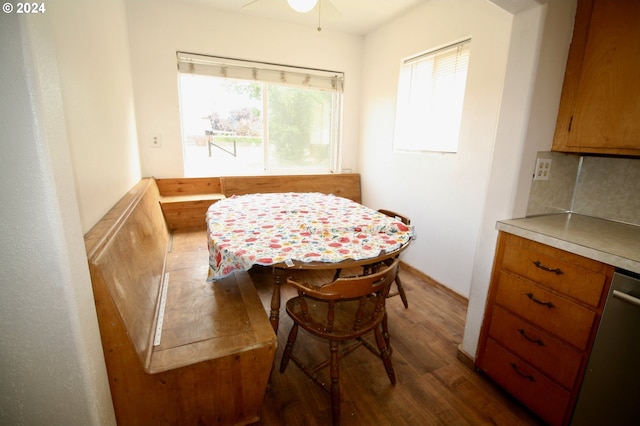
column 407, row 119
column 282, row 75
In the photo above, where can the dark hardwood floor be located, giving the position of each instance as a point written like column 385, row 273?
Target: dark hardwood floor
column 433, row 386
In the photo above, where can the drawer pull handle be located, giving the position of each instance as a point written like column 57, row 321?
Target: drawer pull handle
column 521, row 374
column 539, row 265
column 540, row 302
column 531, row 339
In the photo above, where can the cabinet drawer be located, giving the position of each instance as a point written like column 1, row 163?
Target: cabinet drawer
column 551, row 312
column 544, row 352
column 532, row 388
column 564, row 272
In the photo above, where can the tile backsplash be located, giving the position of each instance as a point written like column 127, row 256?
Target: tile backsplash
column 604, row 187
column 556, row 194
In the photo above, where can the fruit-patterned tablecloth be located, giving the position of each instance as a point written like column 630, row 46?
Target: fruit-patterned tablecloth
column 268, row 229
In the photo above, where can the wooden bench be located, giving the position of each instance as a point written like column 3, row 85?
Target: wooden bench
column 346, row 185
column 185, row 200
column 178, row 350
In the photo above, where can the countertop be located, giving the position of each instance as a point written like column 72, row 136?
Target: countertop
column 610, row 242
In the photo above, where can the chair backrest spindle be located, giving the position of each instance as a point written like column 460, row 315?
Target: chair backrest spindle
column 369, row 292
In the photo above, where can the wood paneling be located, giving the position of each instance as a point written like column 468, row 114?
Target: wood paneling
column 127, row 267
column 189, row 186
column 185, row 200
column 346, row 185
column 187, row 211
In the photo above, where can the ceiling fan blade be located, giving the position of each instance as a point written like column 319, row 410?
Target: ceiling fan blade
column 329, row 10
column 249, row 4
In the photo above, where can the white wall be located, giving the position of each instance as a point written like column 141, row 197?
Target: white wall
column 157, row 29
column 443, row 194
column 95, row 75
column 534, row 80
column 513, row 89
column 52, row 370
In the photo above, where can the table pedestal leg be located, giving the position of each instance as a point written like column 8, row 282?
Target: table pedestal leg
column 274, row 317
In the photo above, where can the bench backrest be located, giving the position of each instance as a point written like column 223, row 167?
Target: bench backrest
column 189, row 186
column 346, row 185
column 126, row 252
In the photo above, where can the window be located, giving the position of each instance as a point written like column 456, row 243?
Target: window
column 243, row 117
column 430, row 98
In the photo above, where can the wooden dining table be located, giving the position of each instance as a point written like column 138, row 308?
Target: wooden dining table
column 298, row 231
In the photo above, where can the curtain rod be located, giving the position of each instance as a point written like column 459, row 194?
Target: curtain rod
column 258, row 62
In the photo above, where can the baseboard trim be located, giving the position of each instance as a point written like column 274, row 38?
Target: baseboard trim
column 426, row 278
column 466, row 359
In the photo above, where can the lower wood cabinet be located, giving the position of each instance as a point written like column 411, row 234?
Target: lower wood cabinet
column 552, row 356
column 542, row 313
column 541, row 394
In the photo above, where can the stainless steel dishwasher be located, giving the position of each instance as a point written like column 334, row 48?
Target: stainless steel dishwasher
column 610, row 393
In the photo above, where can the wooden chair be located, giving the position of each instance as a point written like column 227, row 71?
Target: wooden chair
column 405, row 220
column 368, row 269
column 343, row 310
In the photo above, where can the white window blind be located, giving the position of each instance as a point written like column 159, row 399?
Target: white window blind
column 191, row 63
column 430, row 99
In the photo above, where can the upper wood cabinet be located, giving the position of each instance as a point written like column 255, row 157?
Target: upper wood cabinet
column 600, row 104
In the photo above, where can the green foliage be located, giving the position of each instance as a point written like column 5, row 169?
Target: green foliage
column 295, row 119
column 299, row 134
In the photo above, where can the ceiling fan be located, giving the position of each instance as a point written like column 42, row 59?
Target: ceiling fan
column 305, row 6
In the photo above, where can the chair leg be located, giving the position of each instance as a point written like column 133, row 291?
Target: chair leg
column 385, row 333
column 384, row 354
column 291, row 340
column 401, row 291
column 335, row 383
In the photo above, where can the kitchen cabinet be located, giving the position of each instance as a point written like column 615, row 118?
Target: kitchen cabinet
column 542, row 313
column 600, row 101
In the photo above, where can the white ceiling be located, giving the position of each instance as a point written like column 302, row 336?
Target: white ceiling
column 351, row 16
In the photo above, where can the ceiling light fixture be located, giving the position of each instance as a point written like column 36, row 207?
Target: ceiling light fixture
column 302, row 6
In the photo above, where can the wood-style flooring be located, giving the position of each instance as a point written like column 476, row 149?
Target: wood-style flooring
column 433, row 387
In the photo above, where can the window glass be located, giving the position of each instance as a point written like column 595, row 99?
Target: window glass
column 430, row 99
column 238, row 126
column 299, row 128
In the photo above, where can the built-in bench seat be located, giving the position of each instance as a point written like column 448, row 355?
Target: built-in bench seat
column 178, row 350
column 185, row 200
